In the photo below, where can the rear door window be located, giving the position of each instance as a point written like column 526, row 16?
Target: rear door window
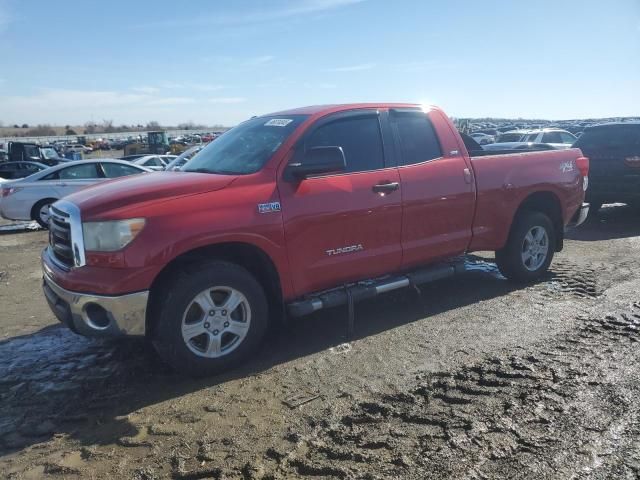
column 115, row 170
column 79, row 172
column 566, row 138
column 359, row 137
column 416, row 137
column 551, row 137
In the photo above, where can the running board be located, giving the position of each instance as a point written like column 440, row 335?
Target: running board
column 370, row 288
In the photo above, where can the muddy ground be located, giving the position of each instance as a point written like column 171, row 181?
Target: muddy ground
column 471, row 377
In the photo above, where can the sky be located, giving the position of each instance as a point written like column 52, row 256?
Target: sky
column 220, row 62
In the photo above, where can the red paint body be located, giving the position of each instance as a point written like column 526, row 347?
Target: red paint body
column 439, row 211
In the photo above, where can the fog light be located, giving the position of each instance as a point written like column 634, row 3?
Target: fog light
column 97, row 316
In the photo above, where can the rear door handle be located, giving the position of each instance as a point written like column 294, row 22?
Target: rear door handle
column 387, row 187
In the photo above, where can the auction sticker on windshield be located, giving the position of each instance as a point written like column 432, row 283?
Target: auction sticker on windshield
column 278, row 122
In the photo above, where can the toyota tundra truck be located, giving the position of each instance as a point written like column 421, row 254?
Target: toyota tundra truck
column 294, row 212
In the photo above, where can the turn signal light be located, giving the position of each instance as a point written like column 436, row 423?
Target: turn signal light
column 633, row 162
column 6, row 191
column 583, row 166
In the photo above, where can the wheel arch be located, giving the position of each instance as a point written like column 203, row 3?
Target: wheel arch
column 546, row 202
column 249, row 256
column 32, row 211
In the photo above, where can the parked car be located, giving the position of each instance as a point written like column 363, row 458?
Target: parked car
column 511, row 146
column 30, row 152
column 309, row 209
column 183, row 158
column 130, row 158
column 29, row 198
column 552, row 136
column 78, row 148
column 155, row 162
column 15, row 170
column 614, row 151
column 482, row 138
column 511, row 136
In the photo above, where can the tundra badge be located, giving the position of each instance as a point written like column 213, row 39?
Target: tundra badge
column 269, row 207
column 349, row 249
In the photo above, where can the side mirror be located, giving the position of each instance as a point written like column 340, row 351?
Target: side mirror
column 319, row 160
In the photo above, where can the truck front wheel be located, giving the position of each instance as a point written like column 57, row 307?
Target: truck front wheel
column 210, row 319
column 530, row 248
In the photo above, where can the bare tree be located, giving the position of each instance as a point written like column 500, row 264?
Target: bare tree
column 153, row 125
column 41, row 131
column 107, row 126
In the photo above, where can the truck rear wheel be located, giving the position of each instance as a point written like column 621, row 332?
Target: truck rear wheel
column 210, row 319
column 530, row 248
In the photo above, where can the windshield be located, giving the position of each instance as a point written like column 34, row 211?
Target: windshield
column 49, row 153
column 246, row 148
column 32, row 151
column 184, row 157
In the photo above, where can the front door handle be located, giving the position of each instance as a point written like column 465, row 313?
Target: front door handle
column 387, row 187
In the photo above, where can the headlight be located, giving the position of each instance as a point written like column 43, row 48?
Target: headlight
column 111, row 236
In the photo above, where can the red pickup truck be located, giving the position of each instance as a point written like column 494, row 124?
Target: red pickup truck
column 294, row 212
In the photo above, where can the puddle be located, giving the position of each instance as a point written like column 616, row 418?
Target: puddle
column 18, row 227
column 476, row 264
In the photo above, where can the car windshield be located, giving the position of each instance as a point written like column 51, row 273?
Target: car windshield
column 32, row 151
column 246, row 148
column 49, row 153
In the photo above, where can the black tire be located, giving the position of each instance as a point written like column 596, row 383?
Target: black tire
column 509, row 259
column 35, row 211
column 175, row 298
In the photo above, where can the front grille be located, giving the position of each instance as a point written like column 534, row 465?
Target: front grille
column 60, row 236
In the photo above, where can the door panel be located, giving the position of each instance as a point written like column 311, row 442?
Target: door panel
column 437, row 190
column 323, row 215
column 347, row 226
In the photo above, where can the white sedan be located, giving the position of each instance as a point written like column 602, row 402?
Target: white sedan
column 29, row 198
column 155, row 162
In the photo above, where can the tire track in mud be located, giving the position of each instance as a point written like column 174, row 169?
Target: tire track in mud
column 567, row 409
column 568, row 278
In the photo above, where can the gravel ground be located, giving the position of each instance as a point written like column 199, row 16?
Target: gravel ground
column 472, row 377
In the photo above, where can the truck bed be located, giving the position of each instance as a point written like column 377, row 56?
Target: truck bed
column 505, row 179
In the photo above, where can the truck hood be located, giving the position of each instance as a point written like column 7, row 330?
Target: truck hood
column 146, row 188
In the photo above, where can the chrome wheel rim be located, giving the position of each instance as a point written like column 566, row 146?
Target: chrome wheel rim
column 44, row 213
column 216, row 322
column 535, row 248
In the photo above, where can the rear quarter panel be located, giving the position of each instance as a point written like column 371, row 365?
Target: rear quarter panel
column 505, row 181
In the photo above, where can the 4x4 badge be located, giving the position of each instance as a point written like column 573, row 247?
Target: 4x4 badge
column 269, row 207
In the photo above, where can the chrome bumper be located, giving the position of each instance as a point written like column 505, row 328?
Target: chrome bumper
column 580, row 216
column 95, row 315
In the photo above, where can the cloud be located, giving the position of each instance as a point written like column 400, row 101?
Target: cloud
column 353, row 68
column 422, row 66
column 227, row 100
column 259, row 60
column 201, row 87
column 322, row 86
column 147, row 90
column 266, row 13
column 167, row 101
column 60, row 106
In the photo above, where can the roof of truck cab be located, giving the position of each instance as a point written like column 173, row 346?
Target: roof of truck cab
column 325, row 109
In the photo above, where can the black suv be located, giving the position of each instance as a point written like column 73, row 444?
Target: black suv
column 614, row 163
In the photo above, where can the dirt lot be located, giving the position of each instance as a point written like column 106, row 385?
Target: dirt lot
column 470, row 378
